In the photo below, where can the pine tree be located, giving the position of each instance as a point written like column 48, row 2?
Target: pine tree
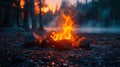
column 42, row 5
column 7, row 8
column 26, row 15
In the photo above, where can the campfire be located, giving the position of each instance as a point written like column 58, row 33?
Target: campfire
column 66, row 32
column 65, row 37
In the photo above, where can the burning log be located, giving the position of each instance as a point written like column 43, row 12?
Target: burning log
column 57, row 45
column 47, row 42
column 62, row 45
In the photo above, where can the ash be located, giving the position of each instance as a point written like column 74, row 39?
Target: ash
column 103, row 52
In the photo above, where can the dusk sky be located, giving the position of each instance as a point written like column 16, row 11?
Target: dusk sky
column 53, row 3
column 57, row 2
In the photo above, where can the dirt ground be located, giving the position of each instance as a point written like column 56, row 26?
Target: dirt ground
column 103, row 52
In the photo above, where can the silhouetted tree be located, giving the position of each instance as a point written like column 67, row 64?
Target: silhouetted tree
column 26, row 15
column 32, row 14
column 18, row 13
column 42, row 4
column 7, row 8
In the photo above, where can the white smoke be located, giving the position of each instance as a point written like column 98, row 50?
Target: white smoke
column 53, row 25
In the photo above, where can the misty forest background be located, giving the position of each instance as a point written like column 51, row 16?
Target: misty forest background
column 97, row 13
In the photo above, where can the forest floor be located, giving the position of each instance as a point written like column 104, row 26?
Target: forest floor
column 103, row 52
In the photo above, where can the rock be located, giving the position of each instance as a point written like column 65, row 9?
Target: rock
column 41, row 63
column 84, row 43
column 29, row 38
column 17, row 60
column 30, row 41
column 46, row 42
column 29, row 63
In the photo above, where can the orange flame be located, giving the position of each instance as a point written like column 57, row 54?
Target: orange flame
column 37, row 8
column 66, row 31
column 22, row 3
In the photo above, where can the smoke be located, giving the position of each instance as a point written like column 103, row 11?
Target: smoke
column 53, row 25
column 98, row 30
column 103, row 25
column 93, row 26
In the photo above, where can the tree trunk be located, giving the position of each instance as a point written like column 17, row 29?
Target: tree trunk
column 33, row 17
column 26, row 17
column 40, row 19
column 18, row 14
column 8, row 19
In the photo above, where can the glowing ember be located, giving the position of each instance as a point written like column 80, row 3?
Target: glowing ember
column 22, row 3
column 14, row 5
column 66, row 32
